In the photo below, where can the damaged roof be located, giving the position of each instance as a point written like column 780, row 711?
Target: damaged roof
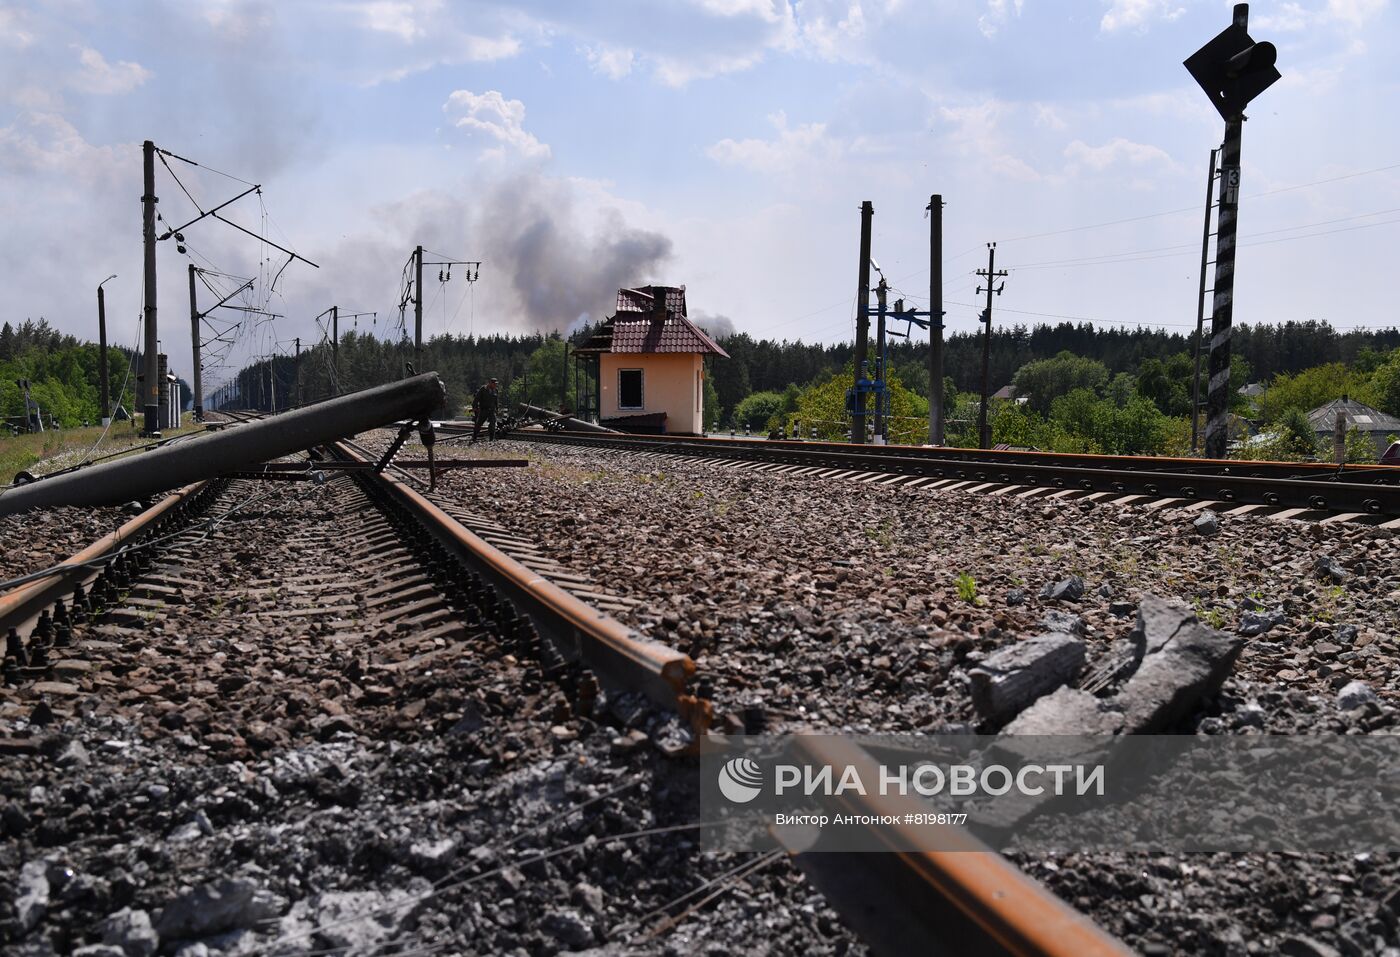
column 651, row 319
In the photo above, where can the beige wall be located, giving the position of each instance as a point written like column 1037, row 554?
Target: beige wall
column 669, row 384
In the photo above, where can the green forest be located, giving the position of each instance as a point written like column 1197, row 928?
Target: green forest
column 62, row 373
column 1081, row 388
column 1084, row 389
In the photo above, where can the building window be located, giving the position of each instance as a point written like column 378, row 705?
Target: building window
column 699, row 389
column 629, row 388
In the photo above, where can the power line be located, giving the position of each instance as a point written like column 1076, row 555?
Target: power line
column 1192, row 209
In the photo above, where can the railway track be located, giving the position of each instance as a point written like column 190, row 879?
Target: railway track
column 1304, row 491
column 394, row 603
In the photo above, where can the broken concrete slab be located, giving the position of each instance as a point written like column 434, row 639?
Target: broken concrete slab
column 1183, row 663
column 1010, row 679
column 1067, row 711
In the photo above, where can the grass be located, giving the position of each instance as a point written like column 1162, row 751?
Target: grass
column 967, row 587
column 22, row 452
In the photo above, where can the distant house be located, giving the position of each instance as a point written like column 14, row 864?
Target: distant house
column 1252, row 391
column 1007, row 393
column 648, row 360
column 1374, row 424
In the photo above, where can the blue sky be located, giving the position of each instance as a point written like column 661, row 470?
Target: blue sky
column 723, row 144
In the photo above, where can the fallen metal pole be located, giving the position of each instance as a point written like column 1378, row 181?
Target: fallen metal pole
column 230, row 450
column 573, row 424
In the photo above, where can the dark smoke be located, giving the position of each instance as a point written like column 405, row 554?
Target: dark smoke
column 716, row 325
column 546, row 261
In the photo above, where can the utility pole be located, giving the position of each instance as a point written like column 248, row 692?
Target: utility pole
column 335, row 349
column 103, row 396
column 867, row 213
column 1201, row 307
column 296, row 374
column 194, row 343
column 881, row 425
column 1232, row 70
column 418, row 309
column 151, row 385
column 992, row 274
column 935, row 326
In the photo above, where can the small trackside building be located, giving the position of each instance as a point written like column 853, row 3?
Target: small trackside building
column 649, row 364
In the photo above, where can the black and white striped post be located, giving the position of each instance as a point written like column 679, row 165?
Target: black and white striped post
column 1233, row 70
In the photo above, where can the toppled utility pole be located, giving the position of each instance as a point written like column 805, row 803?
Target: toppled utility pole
column 217, row 453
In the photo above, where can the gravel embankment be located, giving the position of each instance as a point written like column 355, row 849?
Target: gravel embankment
column 33, row 542
column 836, row 605
column 855, row 587
column 247, row 771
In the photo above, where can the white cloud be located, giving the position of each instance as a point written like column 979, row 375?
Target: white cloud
column 1138, row 14
column 830, row 35
column 612, row 62
column 1115, row 152
column 501, row 119
column 1047, row 117
column 46, row 144
column 1294, row 17
column 793, row 146
column 1354, row 13
column 404, row 19
column 1289, row 18
column 13, row 30
column 96, row 75
column 998, row 14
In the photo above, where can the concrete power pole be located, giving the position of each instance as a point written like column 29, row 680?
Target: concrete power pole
column 103, row 391
column 882, row 427
column 936, row 411
column 867, row 213
column 150, row 399
column 335, row 349
column 418, row 309
column 194, row 344
column 296, row 374
column 992, row 274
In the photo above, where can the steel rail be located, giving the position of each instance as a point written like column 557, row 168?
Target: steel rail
column 1144, row 477
column 21, row 607
column 962, row 899
column 1383, row 474
column 619, row 655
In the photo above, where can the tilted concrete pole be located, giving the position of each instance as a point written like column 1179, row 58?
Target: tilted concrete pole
column 214, row 453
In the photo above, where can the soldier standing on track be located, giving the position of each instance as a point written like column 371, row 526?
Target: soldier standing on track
column 484, row 407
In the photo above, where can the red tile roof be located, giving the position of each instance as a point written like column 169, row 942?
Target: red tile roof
column 640, row 327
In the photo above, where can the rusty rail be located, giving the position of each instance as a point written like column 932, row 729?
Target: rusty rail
column 617, row 654
column 21, row 606
column 964, row 900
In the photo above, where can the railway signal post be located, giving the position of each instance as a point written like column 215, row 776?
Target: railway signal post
column 1233, row 70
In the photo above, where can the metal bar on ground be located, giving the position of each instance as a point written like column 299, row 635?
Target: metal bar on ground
column 964, row 900
column 25, row 602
